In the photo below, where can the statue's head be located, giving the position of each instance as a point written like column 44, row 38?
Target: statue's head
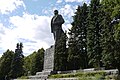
column 55, row 12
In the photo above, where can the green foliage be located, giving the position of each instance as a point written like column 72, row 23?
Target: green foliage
column 112, row 7
column 34, row 62
column 97, row 75
column 93, row 34
column 39, row 60
column 117, row 47
column 37, row 63
column 32, row 66
column 110, row 34
column 28, row 62
column 60, row 56
column 107, row 40
column 5, row 62
column 77, row 54
column 17, row 62
column 23, row 77
column 81, row 75
column 73, row 52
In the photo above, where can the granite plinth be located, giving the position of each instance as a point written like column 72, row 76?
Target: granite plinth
column 48, row 65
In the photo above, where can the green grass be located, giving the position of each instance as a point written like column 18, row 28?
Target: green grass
column 99, row 75
column 23, row 77
column 79, row 74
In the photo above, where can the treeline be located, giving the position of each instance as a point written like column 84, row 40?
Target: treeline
column 34, row 62
column 94, row 39
column 15, row 64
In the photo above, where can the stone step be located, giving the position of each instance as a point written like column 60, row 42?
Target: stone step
column 64, row 79
column 38, row 77
column 51, row 79
column 41, row 76
column 44, row 73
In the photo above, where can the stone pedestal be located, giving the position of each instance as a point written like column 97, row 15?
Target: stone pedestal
column 49, row 59
column 48, row 65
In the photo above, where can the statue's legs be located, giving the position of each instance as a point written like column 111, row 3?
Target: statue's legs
column 58, row 33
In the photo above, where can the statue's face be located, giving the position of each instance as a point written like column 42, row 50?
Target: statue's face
column 55, row 12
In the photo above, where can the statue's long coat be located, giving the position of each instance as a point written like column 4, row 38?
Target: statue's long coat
column 56, row 26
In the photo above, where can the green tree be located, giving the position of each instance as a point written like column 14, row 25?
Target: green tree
column 28, row 63
column 33, row 64
column 5, row 63
column 40, row 65
column 117, row 48
column 83, row 37
column 17, row 69
column 60, row 56
column 107, row 40
column 38, row 60
column 72, row 48
column 77, row 54
column 93, row 34
column 111, row 23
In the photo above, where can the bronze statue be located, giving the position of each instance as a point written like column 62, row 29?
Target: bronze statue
column 56, row 25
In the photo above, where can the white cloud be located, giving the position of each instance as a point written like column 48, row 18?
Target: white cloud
column 7, row 6
column 35, row 28
column 77, row 1
column 32, row 30
column 7, row 38
column 59, row 1
column 68, row 10
column 73, row 0
column 67, row 27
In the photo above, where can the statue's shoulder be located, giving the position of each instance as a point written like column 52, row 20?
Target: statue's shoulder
column 60, row 16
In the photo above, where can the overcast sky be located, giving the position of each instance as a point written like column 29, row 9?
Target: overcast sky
column 28, row 21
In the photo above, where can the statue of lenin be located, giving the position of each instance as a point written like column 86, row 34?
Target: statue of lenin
column 56, row 25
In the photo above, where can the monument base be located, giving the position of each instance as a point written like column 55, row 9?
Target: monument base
column 48, row 65
column 41, row 75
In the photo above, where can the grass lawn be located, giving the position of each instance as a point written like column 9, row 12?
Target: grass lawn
column 98, row 75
